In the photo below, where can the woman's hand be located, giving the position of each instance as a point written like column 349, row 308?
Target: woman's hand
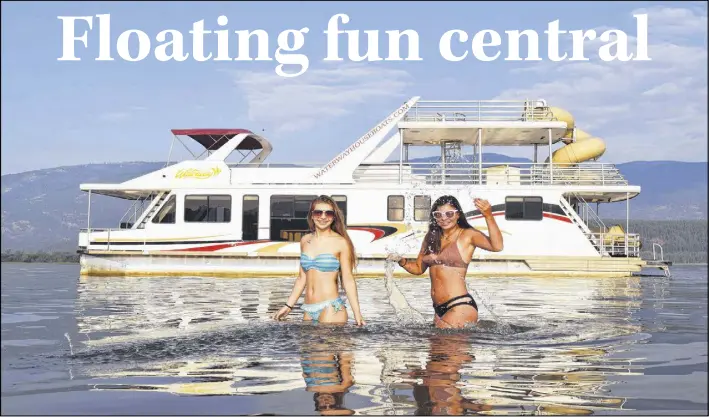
column 493, row 242
column 360, row 321
column 484, row 207
column 283, row 312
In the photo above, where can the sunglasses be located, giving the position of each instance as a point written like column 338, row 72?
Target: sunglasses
column 319, row 213
column 448, row 214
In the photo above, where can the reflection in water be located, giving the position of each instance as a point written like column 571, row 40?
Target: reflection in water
column 327, row 374
column 439, row 392
column 554, row 353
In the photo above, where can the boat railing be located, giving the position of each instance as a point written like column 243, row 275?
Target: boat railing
column 273, row 165
column 134, row 211
column 588, row 214
column 627, row 244
column 516, row 173
column 105, row 236
column 88, row 231
column 654, row 256
column 479, row 111
column 491, row 173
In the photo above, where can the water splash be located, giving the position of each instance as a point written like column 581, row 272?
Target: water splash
column 401, row 247
column 71, row 348
column 403, row 310
column 505, row 327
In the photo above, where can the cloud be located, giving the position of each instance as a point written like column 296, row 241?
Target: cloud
column 642, row 109
column 293, row 104
column 674, row 21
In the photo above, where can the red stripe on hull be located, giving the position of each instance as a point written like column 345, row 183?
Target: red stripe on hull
column 480, row 216
column 545, row 214
column 377, row 232
column 557, row 217
column 212, row 248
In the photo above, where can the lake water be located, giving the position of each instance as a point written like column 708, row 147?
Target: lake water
column 568, row 346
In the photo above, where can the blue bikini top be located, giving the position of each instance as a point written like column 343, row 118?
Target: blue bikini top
column 325, row 262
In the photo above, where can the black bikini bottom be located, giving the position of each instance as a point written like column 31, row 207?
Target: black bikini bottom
column 443, row 308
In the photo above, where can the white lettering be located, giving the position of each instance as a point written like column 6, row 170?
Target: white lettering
column 261, row 44
column 333, row 33
column 198, row 33
column 372, row 48
column 532, row 45
column 176, row 43
column 444, row 46
column 68, row 37
column 642, row 40
column 579, row 37
column 553, row 33
column 395, row 44
column 291, row 59
column 621, row 46
column 485, row 45
column 372, row 53
column 104, row 37
column 222, row 40
column 479, row 44
column 122, row 45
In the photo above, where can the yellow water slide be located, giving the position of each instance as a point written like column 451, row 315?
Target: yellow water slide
column 584, row 148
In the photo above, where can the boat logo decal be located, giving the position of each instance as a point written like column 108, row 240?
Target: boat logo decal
column 200, row 174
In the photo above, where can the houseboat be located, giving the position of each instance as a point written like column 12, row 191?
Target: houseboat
column 209, row 217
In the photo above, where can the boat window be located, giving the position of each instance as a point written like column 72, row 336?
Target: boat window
column 208, row 208
column 395, row 208
column 422, row 207
column 523, row 208
column 166, row 215
column 301, row 208
column 249, row 218
column 289, row 217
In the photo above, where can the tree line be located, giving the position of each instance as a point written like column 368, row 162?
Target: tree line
column 683, row 242
column 48, row 257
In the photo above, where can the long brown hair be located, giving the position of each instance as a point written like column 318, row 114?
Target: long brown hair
column 337, row 225
column 435, row 232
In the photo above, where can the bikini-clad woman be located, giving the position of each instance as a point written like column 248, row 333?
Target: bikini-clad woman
column 326, row 253
column 447, row 250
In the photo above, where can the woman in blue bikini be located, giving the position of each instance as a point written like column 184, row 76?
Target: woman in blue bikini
column 326, row 253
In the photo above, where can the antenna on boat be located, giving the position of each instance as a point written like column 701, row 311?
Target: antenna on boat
column 344, row 164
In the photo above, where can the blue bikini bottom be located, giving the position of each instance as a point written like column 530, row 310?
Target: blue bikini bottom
column 321, row 372
column 314, row 310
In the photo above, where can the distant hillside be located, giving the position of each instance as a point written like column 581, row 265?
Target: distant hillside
column 44, row 209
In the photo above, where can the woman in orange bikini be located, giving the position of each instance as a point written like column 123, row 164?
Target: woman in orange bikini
column 447, row 250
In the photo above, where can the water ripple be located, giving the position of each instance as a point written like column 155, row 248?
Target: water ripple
column 543, row 346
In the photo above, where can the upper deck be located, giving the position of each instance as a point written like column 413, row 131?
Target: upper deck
column 368, row 160
column 484, row 122
column 599, row 181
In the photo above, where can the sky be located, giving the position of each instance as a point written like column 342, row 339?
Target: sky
column 58, row 113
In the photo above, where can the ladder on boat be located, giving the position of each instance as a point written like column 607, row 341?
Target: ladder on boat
column 597, row 242
column 155, row 206
column 660, row 262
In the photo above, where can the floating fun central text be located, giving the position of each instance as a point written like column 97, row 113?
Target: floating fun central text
column 93, row 33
